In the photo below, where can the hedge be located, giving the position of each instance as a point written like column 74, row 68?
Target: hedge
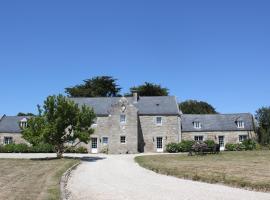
column 184, row 146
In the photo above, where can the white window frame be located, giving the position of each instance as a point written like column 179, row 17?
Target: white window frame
column 240, row 124
column 125, row 119
column 241, row 138
column 198, row 138
column 156, row 118
column 103, row 140
column 123, row 141
column 197, row 125
column 8, row 140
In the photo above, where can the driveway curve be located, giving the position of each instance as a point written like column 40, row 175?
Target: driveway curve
column 118, row 177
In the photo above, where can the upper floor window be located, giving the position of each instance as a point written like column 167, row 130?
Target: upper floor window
column 23, row 123
column 159, row 120
column 242, row 138
column 122, row 118
column 8, row 140
column 198, row 138
column 240, row 124
column 197, row 125
column 122, row 139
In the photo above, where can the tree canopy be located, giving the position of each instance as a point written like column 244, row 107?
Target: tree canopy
column 25, row 114
column 196, row 107
column 61, row 121
column 99, row 86
column 149, row 89
column 263, row 117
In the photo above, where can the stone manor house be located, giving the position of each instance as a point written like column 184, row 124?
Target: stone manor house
column 145, row 124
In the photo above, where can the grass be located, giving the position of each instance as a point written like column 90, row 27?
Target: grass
column 247, row 169
column 32, row 179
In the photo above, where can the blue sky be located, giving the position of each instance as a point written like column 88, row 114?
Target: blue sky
column 215, row 51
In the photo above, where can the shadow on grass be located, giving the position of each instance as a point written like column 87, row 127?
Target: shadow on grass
column 84, row 158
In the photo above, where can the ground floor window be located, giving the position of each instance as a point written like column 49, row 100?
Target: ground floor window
column 198, row 138
column 122, row 139
column 105, row 140
column 7, row 140
column 242, row 138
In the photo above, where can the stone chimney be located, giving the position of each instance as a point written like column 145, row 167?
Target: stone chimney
column 135, row 96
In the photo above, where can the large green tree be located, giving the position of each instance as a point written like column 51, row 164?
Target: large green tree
column 61, row 121
column 25, row 114
column 149, row 89
column 196, row 107
column 263, row 117
column 99, row 86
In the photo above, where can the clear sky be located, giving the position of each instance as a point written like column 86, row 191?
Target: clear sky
column 215, row 51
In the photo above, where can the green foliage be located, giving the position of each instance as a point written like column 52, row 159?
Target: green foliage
column 61, row 121
column 186, row 145
column 263, row 118
column 42, row 148
column 24, row 148
column 196, row 107
column 25, row 114
column 231, row 147
column 249, row 144
column 210, row 143
column 149, row 89
column 33, row 132
column 172, row 148
column 100, row 86
column 76, row 150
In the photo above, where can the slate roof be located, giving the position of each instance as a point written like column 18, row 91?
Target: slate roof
column 160, row 105
column 217, row 122
column 10, row 124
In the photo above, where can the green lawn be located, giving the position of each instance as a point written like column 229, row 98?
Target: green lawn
column 247, row 169
column 32, row 179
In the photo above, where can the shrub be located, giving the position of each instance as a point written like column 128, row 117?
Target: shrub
column 210, row 143
column 172, row 147
column 231, row 147
column 81, row 150
column 42, row 148
column 185, row 145
column 76, row 150
column 249, row 144
column 20, row 148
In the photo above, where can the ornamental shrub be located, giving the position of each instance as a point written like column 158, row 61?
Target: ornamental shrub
column 249, row 144
column 231, row 147
column 42, row 148
column 185, row 145
column 20, row 148
column 81, row 150
column 172, row 147
column 210, row 143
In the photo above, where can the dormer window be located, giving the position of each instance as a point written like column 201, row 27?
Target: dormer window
column 23, row 123
column 197, row 125
column 240, row 124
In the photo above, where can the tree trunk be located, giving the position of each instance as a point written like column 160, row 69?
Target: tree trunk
column 59, row 151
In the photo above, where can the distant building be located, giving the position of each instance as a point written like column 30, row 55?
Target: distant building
column 145, row 124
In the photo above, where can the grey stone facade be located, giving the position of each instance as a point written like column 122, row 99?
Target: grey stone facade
column 146, row 124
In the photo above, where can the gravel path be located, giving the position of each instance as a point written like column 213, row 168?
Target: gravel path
column 118, row 177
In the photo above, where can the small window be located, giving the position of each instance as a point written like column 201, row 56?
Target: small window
column 198, row 138
column 159, row 120
column 105, row 140
column 242, row 138
column 240, row 124
column 8, row 140
column 122, row 118
column 197, row 125
column 122, row 139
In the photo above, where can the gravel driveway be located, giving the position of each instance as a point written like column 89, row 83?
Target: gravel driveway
column 118, row 177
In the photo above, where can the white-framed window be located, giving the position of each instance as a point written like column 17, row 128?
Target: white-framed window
column 122, row 118
column 8, row 140
column 198, row 138
column 197, row 125
column 122, row 139
column 159, row 120
column 242, row 138
column 105, row 140
column 240, row 124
